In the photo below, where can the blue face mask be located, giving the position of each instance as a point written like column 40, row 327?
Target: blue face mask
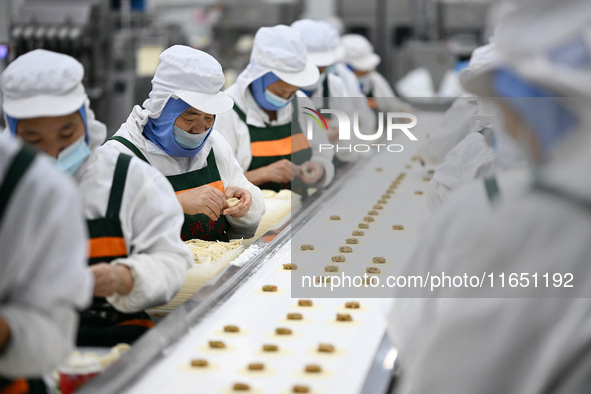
column 187, row 140
column 548, row 117
column 264, row 97
column 162, row 132
column 275, row 100
column 71, row 158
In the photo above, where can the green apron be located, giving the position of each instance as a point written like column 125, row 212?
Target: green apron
column 101, row 324
column 338, row 163
column 199, row 225
column 492, row 189
column 271, row 134
column 20, row 163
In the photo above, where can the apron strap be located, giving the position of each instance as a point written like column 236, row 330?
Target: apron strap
column 130, row 146
column 492, row 189
column 294, row 115
column 118, row 186
column 240, row 113
column 326, row 93
column 20, row 163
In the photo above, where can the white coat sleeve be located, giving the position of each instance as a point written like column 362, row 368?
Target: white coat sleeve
column 233, row 175
column 471, row 159
column 44, row 275
column 151, row 220
column 456, row 124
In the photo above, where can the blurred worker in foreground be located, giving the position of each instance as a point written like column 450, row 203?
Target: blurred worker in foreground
column 361, row 59
column 43, row 274
column 534, row 343
column 271, row 151
column 323, row 45
column 486, row 148
column 133, row 217
column 174, row 132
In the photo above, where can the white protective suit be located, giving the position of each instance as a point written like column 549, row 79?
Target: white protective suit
column 359, row 53
column 151, row 219
column 457, row 123
column 473, row 158
column 150, row 215
column 230, row 172
column 378, row 87
column 289, row 54
column 534, row 344
column 324, row 50
column 183, row 69
column 43, row 275
column 450, row 232
column 459, row 119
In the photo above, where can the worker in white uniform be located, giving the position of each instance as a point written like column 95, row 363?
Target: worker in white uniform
column 485, row 148
column 324, row 50
column 174, row 132
column 271, row 151
column 362, row 60
column 459, row 120
column 530, row 344
column 133, row 217
column 44, row 278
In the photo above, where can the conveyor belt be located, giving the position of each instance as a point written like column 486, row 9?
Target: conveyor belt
column 160, row 361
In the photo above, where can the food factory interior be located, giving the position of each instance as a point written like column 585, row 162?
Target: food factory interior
column 295, row 196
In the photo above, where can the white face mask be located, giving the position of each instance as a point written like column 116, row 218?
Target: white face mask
column 188, row 140
column 71, row 158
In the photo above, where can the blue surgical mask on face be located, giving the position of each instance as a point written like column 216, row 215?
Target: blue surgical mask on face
column 275, row 100
column 265, row 98
column 187, row 140
column 71, row 158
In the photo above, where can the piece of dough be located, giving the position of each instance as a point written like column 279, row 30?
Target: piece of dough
column 268, row 193
column 344, row 317
column 199, row 362
column 270, row 348
column 232, row 202
column 325, row 348
column 313, row 368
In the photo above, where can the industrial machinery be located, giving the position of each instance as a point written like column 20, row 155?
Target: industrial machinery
column 79, row 28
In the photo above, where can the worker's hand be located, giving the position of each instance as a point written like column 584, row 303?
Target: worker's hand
column 110, row 279
column 204, row 199
column 333, row 134
column 311, row 172
column 242, row 208
column 281, row 171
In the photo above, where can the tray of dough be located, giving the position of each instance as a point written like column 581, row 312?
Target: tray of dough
column 279, row 208
column 210, row 258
